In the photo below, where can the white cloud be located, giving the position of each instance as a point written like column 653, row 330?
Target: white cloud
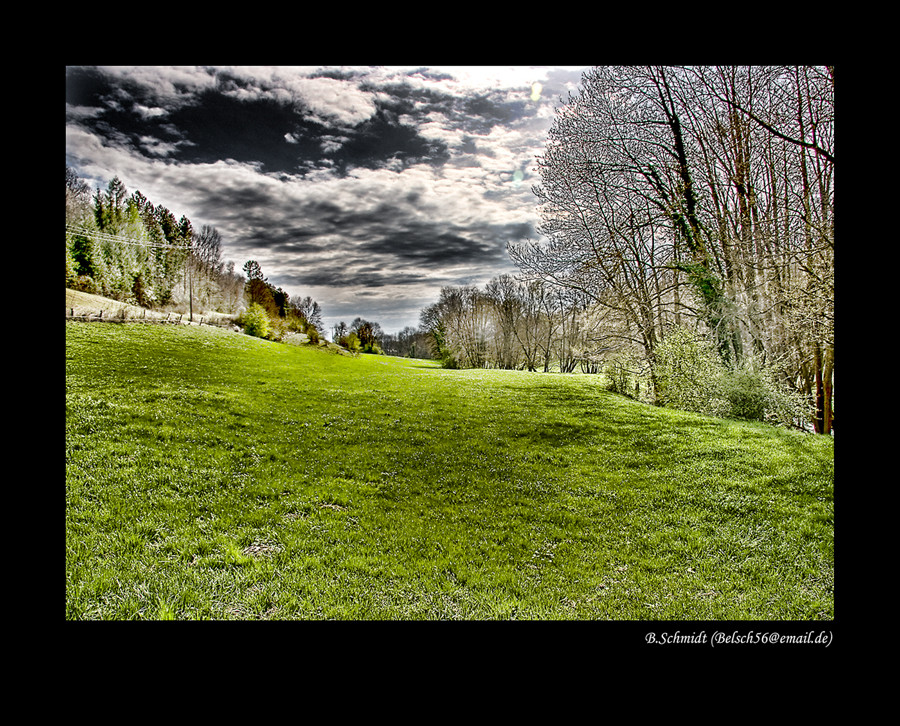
column 167, row 83
column 326, row 99
column 157, row 147
column 82, row 112
column 338, row 100
column 147, row 112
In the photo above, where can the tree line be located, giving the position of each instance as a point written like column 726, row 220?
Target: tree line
column 511, row 323
column 124, row 247
column 687, row 215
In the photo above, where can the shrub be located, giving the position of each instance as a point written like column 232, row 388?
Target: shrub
column 350, row 342
column 85, row 283
column 296, row 323
column 691, row 376
column 747, row 394
column 623, row 375
column 255, row 321
column 688, row 373
column 448, row 360
column 754, row 392
column 277, row 327
column 617, row 377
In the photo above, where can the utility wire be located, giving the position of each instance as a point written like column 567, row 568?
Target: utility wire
column 105, row 237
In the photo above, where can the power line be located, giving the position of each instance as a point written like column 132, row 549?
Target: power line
column 106, row 237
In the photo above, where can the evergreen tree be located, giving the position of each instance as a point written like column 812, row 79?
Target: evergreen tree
column 253, row 271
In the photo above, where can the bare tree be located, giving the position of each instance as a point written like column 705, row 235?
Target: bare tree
column 503, row 294
column 770, row 134
column 676, row 193
column 309, row 310
column 78, row 198
column 609, row 204
column 531, row 321
column 205, row 265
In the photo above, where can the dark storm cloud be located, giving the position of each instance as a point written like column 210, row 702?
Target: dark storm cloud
column 384, row 243
column 383, row 138
column 368, row 183
column 418, row 245
column 280, row 138
column 86, row 87
column 233, row 119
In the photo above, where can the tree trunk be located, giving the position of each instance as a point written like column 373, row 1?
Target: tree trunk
column 828, row 391
column 824, row 365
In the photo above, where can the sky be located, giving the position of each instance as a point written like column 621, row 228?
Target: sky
column 365, row 188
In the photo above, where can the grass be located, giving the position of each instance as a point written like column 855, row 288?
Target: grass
column 210, row 475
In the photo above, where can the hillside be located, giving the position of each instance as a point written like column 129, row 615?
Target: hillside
column 80, row 304
column 214, row 475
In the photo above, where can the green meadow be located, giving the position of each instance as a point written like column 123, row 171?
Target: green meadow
column 211, row 475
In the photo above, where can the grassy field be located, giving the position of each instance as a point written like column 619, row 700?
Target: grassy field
column 210, row 475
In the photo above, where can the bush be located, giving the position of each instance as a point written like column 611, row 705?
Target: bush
column 754, row 392
column 85, row 283
column 747, row 394
column 691, row 376
column 350, row 342
column 617, row 377
column 688, row 373
column 255, row 321
column 623, row 375
column 277, row 327
column 448, row 360
column 296, row 323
